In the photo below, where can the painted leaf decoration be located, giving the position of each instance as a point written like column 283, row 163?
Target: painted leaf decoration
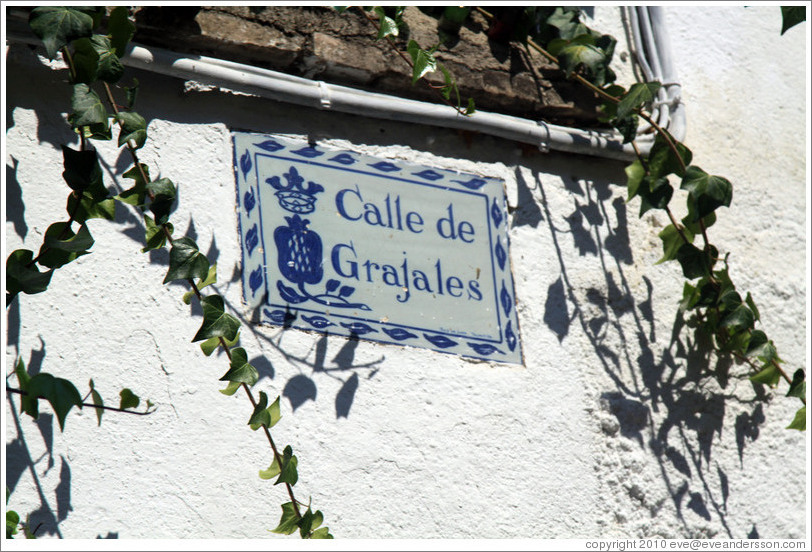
column 309, row 152
column 249, row 200
column 510, row 337
column 429, row 174
column 332, row 285
column 505, row 298
column 280, row 317
column 485, row 348
column 473, row 184
column 245, row 163
column 346, row 291
column 270, row 145
column 440, row 341
column 501, row 256
column 358, row 328
column 255, row 280
column 288, row 294
column 343, row 158
column 317, row 321
column 251, row 239
column 398, row 334
column 496, row 214
column 385, row 166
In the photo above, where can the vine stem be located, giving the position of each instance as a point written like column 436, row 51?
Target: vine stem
column 196, row 290
column 91, row 405
column 409, row 62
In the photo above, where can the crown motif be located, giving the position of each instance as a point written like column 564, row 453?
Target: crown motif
column 295, row 197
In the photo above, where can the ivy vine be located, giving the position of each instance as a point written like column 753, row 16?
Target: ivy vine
column 710, row 303
column 93, row 60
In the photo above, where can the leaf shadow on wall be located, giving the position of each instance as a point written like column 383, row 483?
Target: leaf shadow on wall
column 666, row 402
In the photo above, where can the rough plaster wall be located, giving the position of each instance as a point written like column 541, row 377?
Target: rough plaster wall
column 608, row 431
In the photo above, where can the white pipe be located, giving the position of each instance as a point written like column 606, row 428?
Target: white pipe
column 320, row 95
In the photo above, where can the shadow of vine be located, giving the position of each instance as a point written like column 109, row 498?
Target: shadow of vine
column 662, row 400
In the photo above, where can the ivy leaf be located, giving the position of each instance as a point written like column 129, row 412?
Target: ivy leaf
column 110, row 68
column 97, row 400
column 240, row 371
column 61, row 393
column 12, row 521
column 799, row 422
column 272, row 471
column 310, row 522
column 128, row 399
column 137, row 194
column 288, row 473
column 323, row 533
column 752, row 305
column 768, row 376
column 635, row 173
column 62, row 246
column 263, row 416
column 209, row 346
column 288, row 522
column 133, row 127
column 654, row 194
column 85, row 61
column 798, row 386
column 741, row 318
column 582, row 54
column 423, row 61
column 706, row 191
column 91, row 206
column 82, row 169
column 662, row 160
column 87, row 106
column 230, row 389
column 20, row 277
column 388, row 26
column 639, row 94
column 672, row 241
column 791, row 16
column 216, row 322
column 131, row 93
column 120, row 28
column 694, row 261
column 186, row 261
column 627, row 126
column 155, row 235
column 57, row 26
column 211, row 278
column 163, row 195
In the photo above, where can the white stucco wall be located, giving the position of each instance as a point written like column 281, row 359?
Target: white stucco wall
column 608, row 431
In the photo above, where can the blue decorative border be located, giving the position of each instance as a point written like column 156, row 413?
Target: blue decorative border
column 297, row 197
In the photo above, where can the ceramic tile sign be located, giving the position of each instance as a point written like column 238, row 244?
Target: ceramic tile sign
column 338, row 242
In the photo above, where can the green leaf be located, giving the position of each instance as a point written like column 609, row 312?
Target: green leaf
column 120, row 29
column 288, row 474
column 639, row 94
column 133, row 127
column 635, row 173
column 627, row 127
column 20, row 277
column 216, row 322
column 137, row 194
column 12, row 520
column 85, row 61
column 470, row 109
column 694, row 261
column 210, row 345
column 263, row 416
column 423, row 61
column 163, row 195
column 672, row 241
column 582, row 54
column 29, row 403
column 323, row 533
column 288, row 522
column 62, row 246
column 799, row 422
column 310, row 522
column 155, row 235
column 87, row 106
column 211, row 278
column 662, row 160
column 61, row 393
column 272, row 471
column 655, row 194
column 240, row 370
column 97, row 400
column 82, row 169
column 752, row 305
column 707, row 192
column 740, row 319
column 128, row 399
column 768, row 376
column 110, row 68
column 58, row 26
column 131, row 93
column 230, row 389
column 791, row 16
column 387, row 25
column 798, row 386
column 186, row 261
